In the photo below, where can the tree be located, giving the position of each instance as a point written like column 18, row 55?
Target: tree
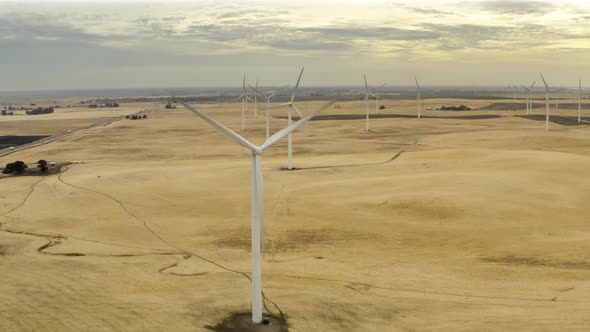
column 20, row 166
column 144, row 116
column 4, row 112
column 42, row 165
column 9, row 169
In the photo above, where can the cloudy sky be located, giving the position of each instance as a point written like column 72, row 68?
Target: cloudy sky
column 131, row 44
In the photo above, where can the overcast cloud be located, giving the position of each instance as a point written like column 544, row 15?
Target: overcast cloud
column 110, row 45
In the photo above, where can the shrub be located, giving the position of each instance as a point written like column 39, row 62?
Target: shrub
column 42, row 165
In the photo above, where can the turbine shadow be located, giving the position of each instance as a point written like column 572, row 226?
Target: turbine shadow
column 399, row 153
column 396, row 116
column 562, row 120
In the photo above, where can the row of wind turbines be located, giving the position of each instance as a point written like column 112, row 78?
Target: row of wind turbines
column 255, row 152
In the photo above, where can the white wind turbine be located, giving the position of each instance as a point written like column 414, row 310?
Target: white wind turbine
column 255, row 103
column 419, row 97
column 244, row 97
column 531, row 97
column 546, row 103
column 580, row 101
column 257, row 213
column 291, row 107
column 268, row 97
column 527, row 98
column 366, row 100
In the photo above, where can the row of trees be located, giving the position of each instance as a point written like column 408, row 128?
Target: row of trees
column 20, row 166
column 4, row 112
column 40, row 110
column 456, row 108
column 136, row 117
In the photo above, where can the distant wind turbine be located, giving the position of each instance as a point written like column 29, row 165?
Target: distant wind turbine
column 291, row 107
column 256, row 102
column 419, row 97
column 366, row 99
column 257, row 213
column 580, row 101
column 528, row 92
column 268, row 97
column 546, row 103
column 244, row 97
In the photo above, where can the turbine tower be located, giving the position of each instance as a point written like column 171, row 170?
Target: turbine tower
column 291, row 107
column 546, row 103
column 418, row 98
column 257, row 213
column 244, row 97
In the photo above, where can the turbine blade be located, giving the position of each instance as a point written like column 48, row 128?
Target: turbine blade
column 296, row 85
column 366, row 86
column 250, row 99
column 532, row 85
column 256, row 83
column 257, row 92
column 280, row 105
column 224, row 130
column 285, row 131
column 281, row 89
column 580, row 84
column 297, row 110
column 417, row 84
column 525, row 88
column 244, row 83
column 544, row 82
column 240, row 97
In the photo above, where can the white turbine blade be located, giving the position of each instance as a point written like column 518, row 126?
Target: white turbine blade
column 240, row 97
column 296, row 85
column 297, row 110
column 580, row 84
column 417, row 84
column 250, row 99
column 285, row 131
column 257, row 92
column 281, row 89
column 244, row 83
column 366, row 86
column 256, row 83
column 224, row 130
column 544, row 82
column 533, row 85
column 280, row 105
column 525, row 88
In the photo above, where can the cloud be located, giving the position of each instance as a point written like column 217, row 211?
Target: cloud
column 516, row 7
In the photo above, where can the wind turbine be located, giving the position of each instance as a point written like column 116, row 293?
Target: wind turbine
column 268, row 97
column 528, row 92
column 546, row 103
column 580, row 101
column 291, row 107
column 418, row 98
column 531, row 97
column 255, row 102
column 244, row 97
column 366, row 99
column 257, row 213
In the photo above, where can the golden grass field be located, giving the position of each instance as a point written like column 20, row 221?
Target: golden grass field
column 477, row 225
